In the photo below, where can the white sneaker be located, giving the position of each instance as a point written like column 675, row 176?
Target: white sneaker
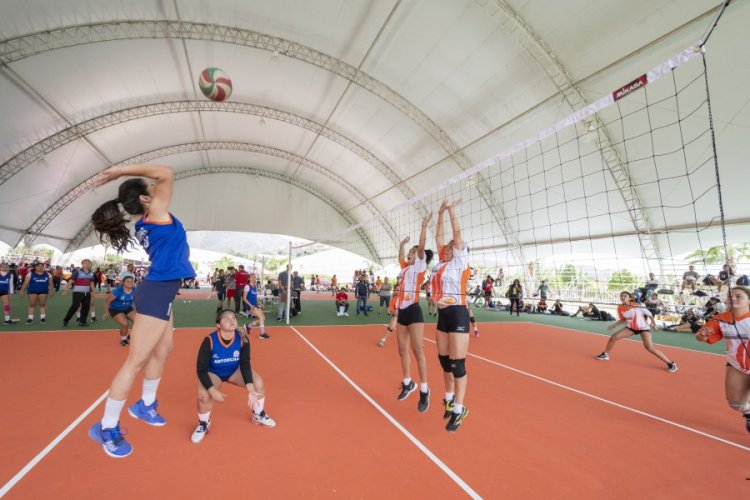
column 200, row 432
column 338, row 314
column 346, row 314
column 602, row 357
column 263, row 419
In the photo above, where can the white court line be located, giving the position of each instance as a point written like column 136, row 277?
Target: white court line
column 460, row 482
column 603, row 400
column 10, row 484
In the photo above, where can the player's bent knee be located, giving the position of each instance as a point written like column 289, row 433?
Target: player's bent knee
column 458, row 367
column 445, row 362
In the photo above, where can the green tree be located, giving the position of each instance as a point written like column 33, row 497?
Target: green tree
column 195, row 265
column 274, row 264
column 622, row 280
column 225, row 262
column 715, row 255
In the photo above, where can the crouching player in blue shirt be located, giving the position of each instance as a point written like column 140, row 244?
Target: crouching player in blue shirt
column 119, row 305
column 224, row 356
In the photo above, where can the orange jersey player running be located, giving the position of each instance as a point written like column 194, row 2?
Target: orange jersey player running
column 638, row 321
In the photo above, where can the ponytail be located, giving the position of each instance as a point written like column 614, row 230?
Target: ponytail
column 111, row 224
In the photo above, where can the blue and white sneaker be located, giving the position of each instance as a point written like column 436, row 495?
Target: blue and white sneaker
column 112, row 441
column 147, row 413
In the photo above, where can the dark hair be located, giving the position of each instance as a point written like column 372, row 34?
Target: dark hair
column 221, row 313
column 428, row 255
column 110, row 223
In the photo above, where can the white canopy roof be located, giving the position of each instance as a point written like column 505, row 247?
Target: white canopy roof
column 340, row 108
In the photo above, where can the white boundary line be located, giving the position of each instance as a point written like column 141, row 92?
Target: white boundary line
column 27, row 468
column 460, row 482
column 603, row 400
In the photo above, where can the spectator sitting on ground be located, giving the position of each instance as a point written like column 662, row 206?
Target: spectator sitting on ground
column 541, row 306
column 557, row 308
column 342, row 303
column 691, row 321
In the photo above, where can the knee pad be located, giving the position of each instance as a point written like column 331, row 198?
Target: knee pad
column 458, row 367
column 472, row 319
column 445, row 362
column 740, row 406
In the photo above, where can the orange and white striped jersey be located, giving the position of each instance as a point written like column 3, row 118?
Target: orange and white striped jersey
column 723, row 326
column 449, row 279
column 411, row 278
column 635, row 317
column 393, row 305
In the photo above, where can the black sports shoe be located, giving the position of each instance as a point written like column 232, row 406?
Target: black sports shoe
column 264, row 336
column 125, row 342
column 29, row 321
column 81, row 323
column 406, row 390
column 424, row 401
column 11, row 321
column 65, row 323
column 93, row 319
column 42, row 320
column 448, row 405
column 747, row 421
column 456, row 419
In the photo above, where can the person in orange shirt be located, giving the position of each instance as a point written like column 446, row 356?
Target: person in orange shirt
column 638, row 321
column 449, row 279
column 410, row 320
column 734, row 327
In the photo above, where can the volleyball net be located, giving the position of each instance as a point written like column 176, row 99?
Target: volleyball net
column 624, row 187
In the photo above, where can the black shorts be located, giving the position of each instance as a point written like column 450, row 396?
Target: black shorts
column 37, row 293
column 385, row 301
column 115, row 312
column 637, row 332
column 221, row 295
column 453, row 319
column 3, row 294
column 410, row 315
column 154, row 298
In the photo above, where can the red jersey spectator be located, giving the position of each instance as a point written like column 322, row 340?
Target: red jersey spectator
column 342, row 303
column 241, row 278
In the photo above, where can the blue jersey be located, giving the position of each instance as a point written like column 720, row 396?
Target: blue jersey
column 6, row 282
column 225, row 358
column 167, row 248
column 252, row 295
column 38, row 283
column 123, row 300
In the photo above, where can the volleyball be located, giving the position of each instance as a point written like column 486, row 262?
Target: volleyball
column 215, row 84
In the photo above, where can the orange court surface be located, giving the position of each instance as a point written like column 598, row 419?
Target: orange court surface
column 546, row 421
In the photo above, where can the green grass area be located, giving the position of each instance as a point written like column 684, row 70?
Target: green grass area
column 202, row 313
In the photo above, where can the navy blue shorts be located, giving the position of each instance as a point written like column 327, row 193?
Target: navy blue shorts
column 154, row 298
column 115, row 312
column 453, row 319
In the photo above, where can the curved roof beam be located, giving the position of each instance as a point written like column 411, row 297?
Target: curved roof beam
column 546, row 59
column 80, row 130
column 15, row 49
column 63, row 202
column 86, row 230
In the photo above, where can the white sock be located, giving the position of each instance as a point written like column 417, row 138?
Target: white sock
column 7, row 317
column 42, row 316
column 449, row 396
column 93, row 315
column 457, row 408
column 78, row 316
column 31, row 316
column 112, row 409
column 258, row 405
column 407, row 381
column 423, row 387
column 205, row 417
column 149, row 391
